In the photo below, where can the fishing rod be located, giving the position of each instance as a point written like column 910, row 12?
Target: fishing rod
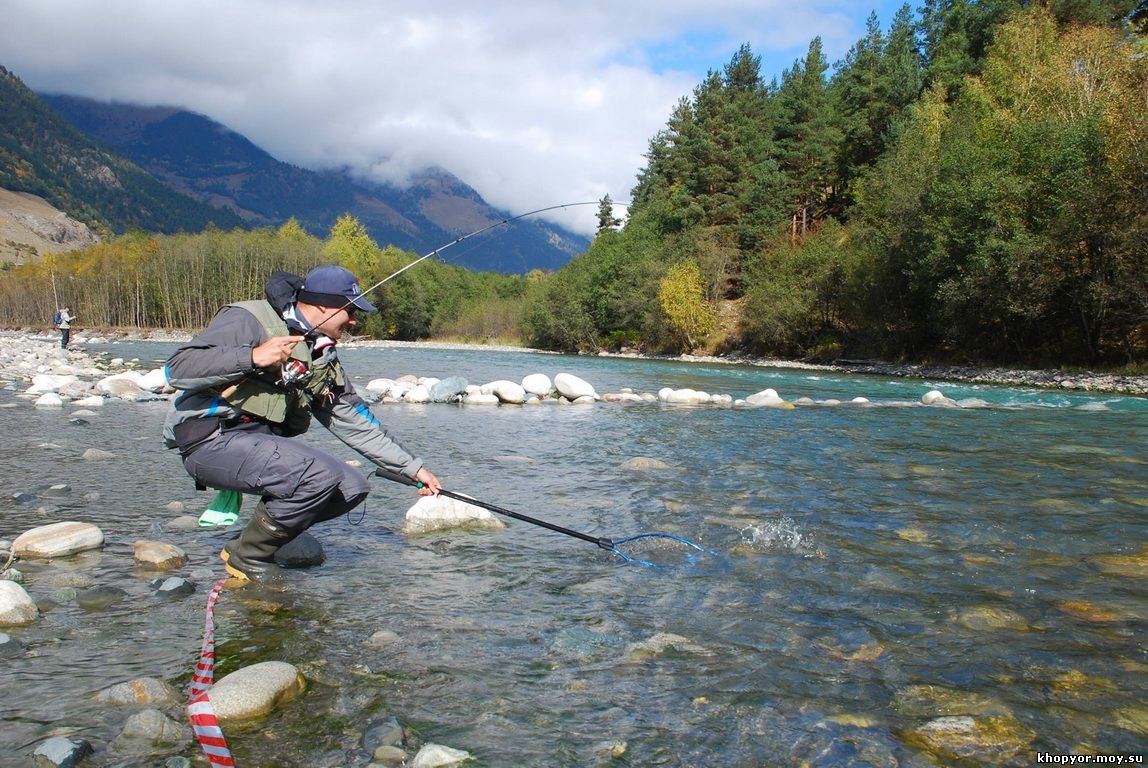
column 456, row 241
column 601, row 541
column 609, row 545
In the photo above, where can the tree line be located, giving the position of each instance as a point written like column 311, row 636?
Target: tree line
column 968, row 185
column 180, row 281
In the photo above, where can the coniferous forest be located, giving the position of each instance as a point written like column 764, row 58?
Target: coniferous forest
column 968, row 185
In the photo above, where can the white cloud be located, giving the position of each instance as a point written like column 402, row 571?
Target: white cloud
column 531, row 104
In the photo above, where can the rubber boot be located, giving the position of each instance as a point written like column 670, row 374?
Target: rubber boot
column 251, row 557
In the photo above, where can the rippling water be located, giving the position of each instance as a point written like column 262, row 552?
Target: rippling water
column 876, row 567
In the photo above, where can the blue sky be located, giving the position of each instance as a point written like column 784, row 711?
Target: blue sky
column 532, row 104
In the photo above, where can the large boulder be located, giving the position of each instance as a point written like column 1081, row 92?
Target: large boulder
column 506, row 391
column 537, row 384
column 571, row 387
column 448, row 390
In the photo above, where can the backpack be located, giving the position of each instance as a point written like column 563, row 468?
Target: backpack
column 56, row 318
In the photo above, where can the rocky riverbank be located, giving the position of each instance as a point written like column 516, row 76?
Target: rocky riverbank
column 1082, row 381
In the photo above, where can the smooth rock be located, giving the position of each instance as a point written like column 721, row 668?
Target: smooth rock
column 16, row 605
column 99, row 598
column 158, row 555
column 435, row 755
column 142, row 690
column 448, row 390
column 173, row 586
column 148, row 729
column 95, row 454
column 988, row 741
column 509, row 392
column 255, row 690
column 304, row 551
column 644, row 463
column 433, row 513
column 61, row 752
column 571, row 387
column 537, row 384
column 765, row 397
column 58, row 540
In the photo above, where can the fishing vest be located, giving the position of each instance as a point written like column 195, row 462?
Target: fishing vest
column 264, row 396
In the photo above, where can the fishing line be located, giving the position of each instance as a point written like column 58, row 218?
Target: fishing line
column 602, row 542
column 456, row 241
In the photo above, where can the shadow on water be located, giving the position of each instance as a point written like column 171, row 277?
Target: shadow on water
column 867, row 559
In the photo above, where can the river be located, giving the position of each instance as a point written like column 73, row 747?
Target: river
column 869, row 570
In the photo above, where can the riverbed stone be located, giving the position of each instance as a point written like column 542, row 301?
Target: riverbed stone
column 304, row 551
column 571, row 387
column 255, row 690
column 383, row 639
column 765, row 397
column 140, row 691
column 448, row 390
column 1134, row 565
column 537, row 384
column 988, row 740
column 100, row 597
column 644, row 463
column 171, row 587
column 436, row 755
column 507, row 392
column 990, row 617
column 95, row 454
column 61, row 752
column 936, row 397
column 58, row 540
column 158, row 555
column 147, row 730
column 933, row 700
column 420, row 393
column 434, row 513
column 10, row 647
column 16, row 605
column 660, row 642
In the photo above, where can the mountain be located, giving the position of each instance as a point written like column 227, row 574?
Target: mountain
column 199, row 157
column 44, row 155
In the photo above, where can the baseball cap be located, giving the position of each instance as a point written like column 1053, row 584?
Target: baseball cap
column 329, row 285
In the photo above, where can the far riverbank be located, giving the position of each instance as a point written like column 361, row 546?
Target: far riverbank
column 1084, row 381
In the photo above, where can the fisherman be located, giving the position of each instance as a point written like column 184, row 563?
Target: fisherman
column 252, row 381
column 64, row 320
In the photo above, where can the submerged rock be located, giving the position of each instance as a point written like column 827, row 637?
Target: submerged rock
column 158, row 556
column 142, row 690
column 991, row 740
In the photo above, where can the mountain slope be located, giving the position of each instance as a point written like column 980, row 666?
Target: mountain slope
column 42, row 154
column 198, row 156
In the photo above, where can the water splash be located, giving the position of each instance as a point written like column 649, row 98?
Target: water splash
column 781, row 535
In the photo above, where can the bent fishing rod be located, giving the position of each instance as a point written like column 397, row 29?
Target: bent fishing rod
column 456, row 241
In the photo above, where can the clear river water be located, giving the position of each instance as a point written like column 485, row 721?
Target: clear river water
column 871, row 570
